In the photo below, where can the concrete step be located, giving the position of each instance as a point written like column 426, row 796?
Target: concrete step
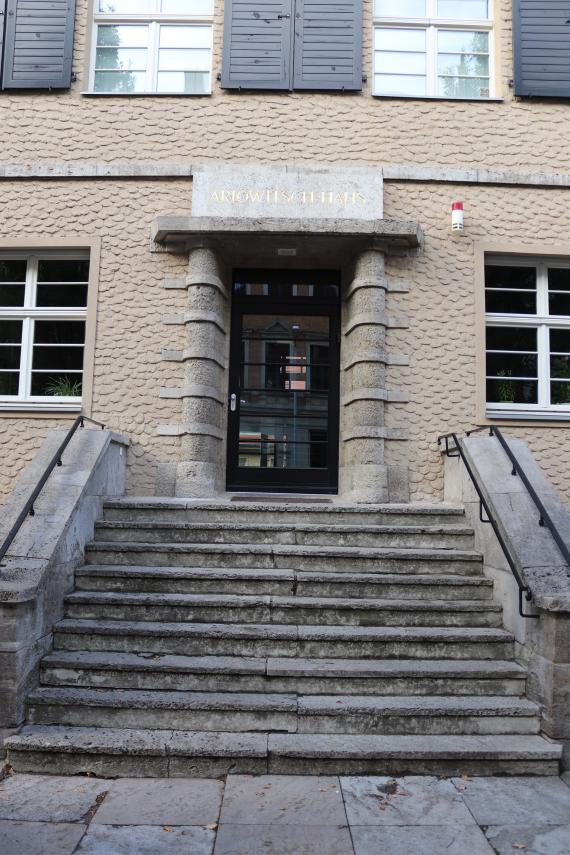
column 110, row 670
column 277, row 640
column 270, row 609
column 300, row 534
column 263, row 556
column 214, row 580
column 145, row 509
column 113, row 752
column 240, row 711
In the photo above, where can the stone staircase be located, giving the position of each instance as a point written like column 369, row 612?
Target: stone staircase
column 204, row 638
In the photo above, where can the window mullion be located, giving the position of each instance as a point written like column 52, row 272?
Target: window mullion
column 26, row 358
column 432, row 59
column 543, row 365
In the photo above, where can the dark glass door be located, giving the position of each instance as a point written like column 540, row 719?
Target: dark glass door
column 284, row 375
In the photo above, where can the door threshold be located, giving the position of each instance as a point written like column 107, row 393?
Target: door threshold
column 289, row 498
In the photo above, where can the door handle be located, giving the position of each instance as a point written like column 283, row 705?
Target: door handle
column 233, row 402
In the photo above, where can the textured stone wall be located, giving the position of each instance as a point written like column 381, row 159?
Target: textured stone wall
column 276, row 127
column 438, row 387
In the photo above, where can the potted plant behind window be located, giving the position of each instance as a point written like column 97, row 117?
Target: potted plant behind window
column 64, row 387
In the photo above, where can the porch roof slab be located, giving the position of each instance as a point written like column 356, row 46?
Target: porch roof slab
column 332, row 239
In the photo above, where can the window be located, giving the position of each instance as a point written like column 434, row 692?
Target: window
column 527, row 306
column 433, row 48
column 161, row 46
column 43, row 304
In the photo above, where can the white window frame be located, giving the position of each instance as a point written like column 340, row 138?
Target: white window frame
column 542, row 321
column 431, row 24
column 28, row 313
column 154, row 21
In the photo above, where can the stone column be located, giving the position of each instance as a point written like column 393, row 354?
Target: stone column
column 363, row 473
column 201, row 473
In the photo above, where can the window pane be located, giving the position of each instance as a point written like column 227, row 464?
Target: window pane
column 9, row 382
column 120, row 81
column 10, row 332
column 560, row 393
column 463, row 65
column 63, row 271
column 12, row 271
column 560, row 341
column 463, row 87
column 559, row 279
column 57, row 358
column 126, row 6
column 393, row 39
column 400, row 8
column 61, row 295
column 186, row 37
column 12, row 295
column 559, row 304
column 512, row 365
column 463, row 9
column 184, row 60
column 59, row 332
column 521, row 278
column 190, row 82
column 59, row 385
column 457, row 41
column 510, row 302
column 391, row 84
column 560, row 366
column 401, row 63
column 511, row 338
column 9, row 356
column 188, row 7
column 122, row 36
column 126, row 59
column 508, row 391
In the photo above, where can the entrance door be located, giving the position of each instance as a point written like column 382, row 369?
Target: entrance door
column 284, row 381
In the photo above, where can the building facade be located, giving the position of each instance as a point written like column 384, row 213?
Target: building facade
column 227, row 233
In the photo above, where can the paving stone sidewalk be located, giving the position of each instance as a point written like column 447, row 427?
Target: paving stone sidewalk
column 284, row 815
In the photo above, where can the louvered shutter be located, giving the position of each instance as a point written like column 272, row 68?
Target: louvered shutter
column 257, row 44
column 2, row 18
column 38, row 44
column 542, row 48
column 328, row 44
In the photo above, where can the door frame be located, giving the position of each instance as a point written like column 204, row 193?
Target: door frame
column 250, row 479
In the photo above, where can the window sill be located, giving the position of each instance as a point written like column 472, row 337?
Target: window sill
column 39, row 407
column 146, row 94
column 528, row 415
column 438, row 98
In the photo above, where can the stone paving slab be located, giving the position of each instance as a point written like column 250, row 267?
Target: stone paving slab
column 412, row 800
column 538, row 840
column 282, row 800
column 147, row 840
column 284, row 840
column 428, row 840
column 144, row 801
column 509, row 801
column 39, row 838
column 45, row 798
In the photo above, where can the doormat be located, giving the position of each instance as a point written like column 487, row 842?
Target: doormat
column 292, row 500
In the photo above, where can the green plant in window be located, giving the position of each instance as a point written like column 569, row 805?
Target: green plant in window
column 64, row 387
column 506, row 388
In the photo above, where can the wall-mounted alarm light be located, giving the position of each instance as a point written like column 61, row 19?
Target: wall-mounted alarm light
column 457, row 216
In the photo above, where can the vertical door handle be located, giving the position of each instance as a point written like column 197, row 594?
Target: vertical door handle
column 233, row 402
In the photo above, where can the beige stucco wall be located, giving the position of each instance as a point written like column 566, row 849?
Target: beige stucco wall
column 441, row 339
column 297, row 127
column 287, row 127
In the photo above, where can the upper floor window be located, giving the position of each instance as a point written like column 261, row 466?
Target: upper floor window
column 433, row 48
column 160, row 46
column 527, row 308
column 43, row 306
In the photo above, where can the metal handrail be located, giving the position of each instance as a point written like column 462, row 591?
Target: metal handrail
column 524, row 590
column 28, row 509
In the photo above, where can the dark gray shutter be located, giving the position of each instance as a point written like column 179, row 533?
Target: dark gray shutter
column 257, row 44
column 328, row 44
column 541, row 31
column 2, row 18
column 38, row 44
